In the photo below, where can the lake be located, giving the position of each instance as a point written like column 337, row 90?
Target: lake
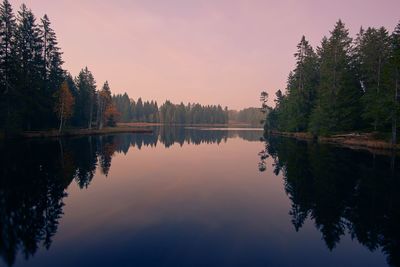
column 196, row 197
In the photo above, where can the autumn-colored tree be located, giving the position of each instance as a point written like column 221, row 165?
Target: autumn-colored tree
column 111, row 115
column 64, row 105
column 104, row 102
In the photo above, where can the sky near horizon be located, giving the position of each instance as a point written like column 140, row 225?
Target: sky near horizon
column 208, row 51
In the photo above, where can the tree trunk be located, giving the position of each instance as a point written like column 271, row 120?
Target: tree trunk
column 90, row 113
column 378, row 90
column 394, row 130
column 99, row 113
column 394, row 116
column 8, row 112
column 61, row 117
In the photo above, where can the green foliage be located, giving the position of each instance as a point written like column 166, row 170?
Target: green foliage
column 293, row 110
column 31, row 73
column 347, row 85
column 168, row 113
column 192, row 114
column 252, row 116
column 339, row 94
column 373, row 54
column 86, row 95
column 8, row 114
column 136, row 111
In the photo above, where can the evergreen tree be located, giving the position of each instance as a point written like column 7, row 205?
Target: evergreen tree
column 373, row 49
column 8, row 113
column 86, row 97
column 104, row 103
column 53, row 73
column 393, row 82
column 29, row 57
column 139, row 110
column 338, row 106
column 304, row 86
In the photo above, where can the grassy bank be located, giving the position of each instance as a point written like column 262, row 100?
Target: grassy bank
column 368, row 141
column 82, row 132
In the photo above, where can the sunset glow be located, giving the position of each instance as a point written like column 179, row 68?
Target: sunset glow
column 212, row 52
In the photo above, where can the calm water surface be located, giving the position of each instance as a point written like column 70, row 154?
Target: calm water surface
column 190, row 197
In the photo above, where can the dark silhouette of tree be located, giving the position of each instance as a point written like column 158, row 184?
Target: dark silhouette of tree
column 30, row 62
column 8, row 114
column 343, row 191
column 347, row 85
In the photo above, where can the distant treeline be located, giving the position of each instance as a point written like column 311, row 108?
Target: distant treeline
column 169, row 113
column 252, row 116
column 193, row 114
column 345, row 85
column 135, row 111
column 36, row 93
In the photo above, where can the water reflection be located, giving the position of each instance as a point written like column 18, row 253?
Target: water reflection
column 342, row 191
column 34, row 176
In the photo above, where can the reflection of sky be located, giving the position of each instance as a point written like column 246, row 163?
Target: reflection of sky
column 190, row 206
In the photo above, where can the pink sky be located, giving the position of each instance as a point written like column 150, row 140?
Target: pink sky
column 213, row 52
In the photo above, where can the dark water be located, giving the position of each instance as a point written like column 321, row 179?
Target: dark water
column 196, row 198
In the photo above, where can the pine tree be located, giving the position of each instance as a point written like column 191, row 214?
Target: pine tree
column 29, row 57
column 86, row 97
column 52, row 57
column 92, row 95
column 393, row 82
column 8, row 66
column 104, row 103
column 139, row 110
column 306, row 82
column 373, row 50
column 338, row 106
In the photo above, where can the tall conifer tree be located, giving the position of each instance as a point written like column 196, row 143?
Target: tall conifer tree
column 8, row 90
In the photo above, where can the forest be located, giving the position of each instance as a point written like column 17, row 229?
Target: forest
column 192, row 113
column 168, row 113
column 253, row 116
column 346, row 84
column 38, row 94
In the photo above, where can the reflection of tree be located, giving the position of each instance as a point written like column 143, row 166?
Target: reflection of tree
column 107, row 148
column 249, row 135
column 342, row 191
column 262, row 165
column 169, row 136
column 31, row 193
column 35, row 174
column 86, row 160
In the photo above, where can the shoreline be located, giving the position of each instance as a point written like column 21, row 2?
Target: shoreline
column 357, row 141
column 81, row 132
column 135, row 127
column 150, row 124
